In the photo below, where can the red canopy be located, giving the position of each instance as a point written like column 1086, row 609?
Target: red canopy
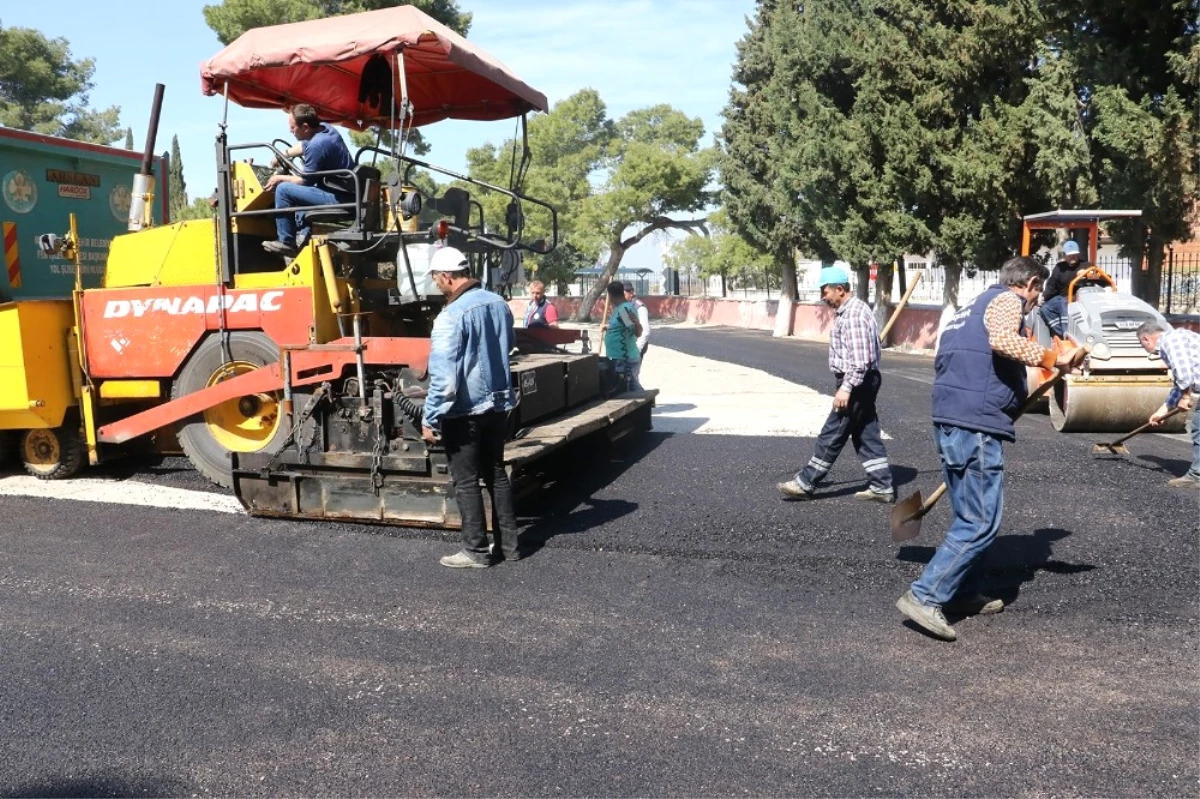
column 323, row 62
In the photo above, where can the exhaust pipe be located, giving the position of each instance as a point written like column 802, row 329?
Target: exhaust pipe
column 141, row 203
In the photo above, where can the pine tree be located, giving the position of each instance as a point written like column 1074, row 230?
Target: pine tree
column 128, row 138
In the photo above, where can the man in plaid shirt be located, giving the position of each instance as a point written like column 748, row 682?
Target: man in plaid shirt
column 854, row 361
column 1180, row 351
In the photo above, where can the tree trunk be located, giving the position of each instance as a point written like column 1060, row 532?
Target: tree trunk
column 883, row 294
column 584, row 314
column 787, row 297
column 863, row 275
column 950, row 289
column 724, row 287
column 1146, row 283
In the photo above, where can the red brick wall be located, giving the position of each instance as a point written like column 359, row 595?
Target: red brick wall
column 917, row 327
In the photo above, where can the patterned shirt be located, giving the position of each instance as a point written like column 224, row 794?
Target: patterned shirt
column 853, row 343
column 1180, row 350
column 1002, row 319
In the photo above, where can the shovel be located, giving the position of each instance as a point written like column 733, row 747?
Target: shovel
column 906, row 516
column 1118, row 447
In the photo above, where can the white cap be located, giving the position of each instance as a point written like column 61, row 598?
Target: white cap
column 449, row 259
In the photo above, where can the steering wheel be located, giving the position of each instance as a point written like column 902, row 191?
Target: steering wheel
column 283, row 164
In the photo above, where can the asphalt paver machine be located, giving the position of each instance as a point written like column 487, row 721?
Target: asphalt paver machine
column 299, row 380
column 1119, row 384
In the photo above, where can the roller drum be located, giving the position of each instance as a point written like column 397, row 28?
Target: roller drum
column 1093, row 405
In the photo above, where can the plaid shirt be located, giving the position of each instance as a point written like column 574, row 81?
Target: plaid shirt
column 1180, row 350
column 853, row 343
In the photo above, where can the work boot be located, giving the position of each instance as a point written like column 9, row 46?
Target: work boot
column 1187, row 481
column 927, row 617
column 794, row 490
column 465, row 560
column 280, row 248
column 974, row 605
column 871, row 495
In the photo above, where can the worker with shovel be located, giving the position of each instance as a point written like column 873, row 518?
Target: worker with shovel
column 1180, row 350
column 979, row 386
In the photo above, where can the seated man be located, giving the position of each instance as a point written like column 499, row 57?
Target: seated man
column 1054, row 297
column 323, row 149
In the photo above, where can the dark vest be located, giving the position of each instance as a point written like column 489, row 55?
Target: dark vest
column 974, row 387
column 535, row 314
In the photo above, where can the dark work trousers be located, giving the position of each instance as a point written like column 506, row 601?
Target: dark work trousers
column 860, row 424
column 475, row 446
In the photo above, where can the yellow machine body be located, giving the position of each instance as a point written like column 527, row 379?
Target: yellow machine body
column 36, row 387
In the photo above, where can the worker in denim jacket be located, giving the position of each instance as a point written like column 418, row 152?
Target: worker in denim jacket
column 470, row 392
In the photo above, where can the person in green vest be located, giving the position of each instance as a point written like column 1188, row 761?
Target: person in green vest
column 621, row 332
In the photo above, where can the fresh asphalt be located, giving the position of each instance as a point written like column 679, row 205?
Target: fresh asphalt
column 676, row 629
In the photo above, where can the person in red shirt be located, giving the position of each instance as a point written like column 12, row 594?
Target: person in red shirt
column 540, row 312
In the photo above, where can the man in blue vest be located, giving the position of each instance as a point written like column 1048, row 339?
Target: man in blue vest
column 979, row 386
column 540, row 312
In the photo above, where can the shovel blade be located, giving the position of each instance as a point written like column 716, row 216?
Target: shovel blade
column 1110, row 449
column 906, row 517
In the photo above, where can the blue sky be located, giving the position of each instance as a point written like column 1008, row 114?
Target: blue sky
column 635, row 53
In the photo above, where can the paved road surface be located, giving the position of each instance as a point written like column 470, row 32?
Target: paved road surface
column 677, row 630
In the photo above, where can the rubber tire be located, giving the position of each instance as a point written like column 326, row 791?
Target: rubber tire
column 70, row 453
column 208, row 455
column 8, row 444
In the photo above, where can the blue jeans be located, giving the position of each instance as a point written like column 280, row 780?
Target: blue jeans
column 973, row 468
column 1054, row 311
column 1195, row 421
column 291, row 195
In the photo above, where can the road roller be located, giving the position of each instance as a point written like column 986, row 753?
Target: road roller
column 1119, row 384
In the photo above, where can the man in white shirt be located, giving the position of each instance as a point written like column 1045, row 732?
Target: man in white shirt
column 643, row 341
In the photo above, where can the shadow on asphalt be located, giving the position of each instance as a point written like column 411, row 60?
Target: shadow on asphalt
column 1172, row 467
column 100, row 785
column 901, row 477
column 568, row 504
column 1012, row 561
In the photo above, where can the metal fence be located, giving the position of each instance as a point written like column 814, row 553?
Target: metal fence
column 1181, row 283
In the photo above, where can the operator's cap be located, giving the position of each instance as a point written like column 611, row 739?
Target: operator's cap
column 449, row 259
column 833, row 276
column 628, row 287
column 1071, row 248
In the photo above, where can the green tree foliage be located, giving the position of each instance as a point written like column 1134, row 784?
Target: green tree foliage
column 655, row 177
column 1137, row 82
column 231, row 18
column 722, row 253
column 878, row 127
column 128, row 138
column 176, row 184
column 44, row 90
column 758, row 201
column 613, row 182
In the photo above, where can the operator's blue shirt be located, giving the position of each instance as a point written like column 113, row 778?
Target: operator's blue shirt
column 324, row 151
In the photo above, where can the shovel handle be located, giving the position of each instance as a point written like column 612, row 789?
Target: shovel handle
column 928, row 504
column 1143, row 428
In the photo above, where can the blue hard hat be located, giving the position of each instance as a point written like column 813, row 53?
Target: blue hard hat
column 833, row 275
column 1071, row 248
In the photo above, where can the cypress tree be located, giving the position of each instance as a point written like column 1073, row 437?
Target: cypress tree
column 177, row 187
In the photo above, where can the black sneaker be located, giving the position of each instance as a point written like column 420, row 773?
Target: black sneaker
column 280, row 248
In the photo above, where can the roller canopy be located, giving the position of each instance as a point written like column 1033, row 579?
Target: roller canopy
column 344, row 68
